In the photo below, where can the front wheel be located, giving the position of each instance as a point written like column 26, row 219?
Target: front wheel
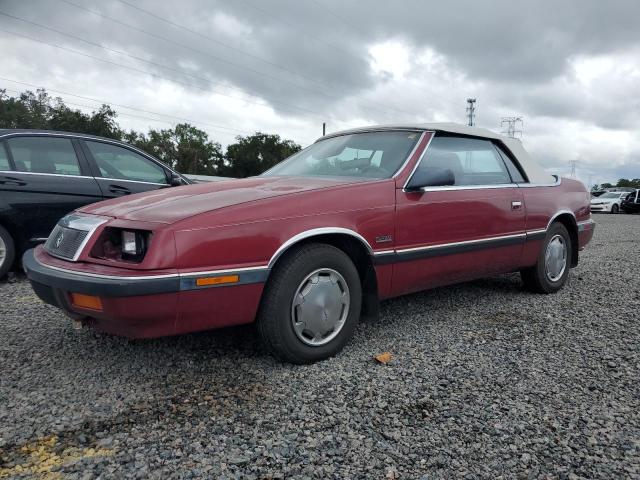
column 7, row 251
column 311, row 304
column 551, row 271
column 615, row 208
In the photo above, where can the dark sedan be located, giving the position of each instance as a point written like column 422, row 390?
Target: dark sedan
column 44, row 175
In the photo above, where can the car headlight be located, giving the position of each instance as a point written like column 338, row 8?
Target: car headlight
column 122, row 245
column 132, row 242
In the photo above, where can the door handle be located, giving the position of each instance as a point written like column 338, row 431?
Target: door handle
column 516, row 205
column 118, row 190
column 12, row 181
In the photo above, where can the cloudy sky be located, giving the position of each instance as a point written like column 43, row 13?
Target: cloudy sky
column 571, row 69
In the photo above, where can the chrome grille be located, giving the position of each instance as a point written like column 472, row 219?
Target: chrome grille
column 64, row 242
column 71, row 234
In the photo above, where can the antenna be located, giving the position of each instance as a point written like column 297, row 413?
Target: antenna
column 512, row 124
column 471, row 111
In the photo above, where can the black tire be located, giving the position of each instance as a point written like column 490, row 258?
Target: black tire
column 535, row 279
column 615, row 209
column 9, row 249
column 275, row 324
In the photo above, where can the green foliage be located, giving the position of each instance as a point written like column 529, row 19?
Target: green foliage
column 634, row 183
column 253, row 154
column 40, row 111
column 185, row 148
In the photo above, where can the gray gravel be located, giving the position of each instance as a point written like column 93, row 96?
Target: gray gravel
column 487, row 380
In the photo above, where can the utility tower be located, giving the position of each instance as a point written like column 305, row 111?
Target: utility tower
column 512, row 124
column 573, row 164
column 471, row 111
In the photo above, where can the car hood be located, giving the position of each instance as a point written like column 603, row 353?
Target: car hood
column 169, row 205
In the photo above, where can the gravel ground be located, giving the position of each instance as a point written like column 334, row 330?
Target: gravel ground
column 486, row 381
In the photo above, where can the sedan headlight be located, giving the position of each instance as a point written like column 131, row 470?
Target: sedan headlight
column 122, row 245
column 132, row 242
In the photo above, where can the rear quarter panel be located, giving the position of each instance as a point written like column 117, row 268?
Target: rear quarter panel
column 543, row 203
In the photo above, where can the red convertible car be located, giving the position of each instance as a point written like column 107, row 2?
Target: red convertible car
column 309, row 246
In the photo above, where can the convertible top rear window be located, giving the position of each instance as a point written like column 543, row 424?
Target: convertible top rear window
column 366, row 155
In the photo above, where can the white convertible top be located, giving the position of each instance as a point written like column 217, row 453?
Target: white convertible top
column 533, row 170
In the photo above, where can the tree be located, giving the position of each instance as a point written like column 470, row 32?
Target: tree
column 184, row 148
column 40, row 111
column 253, row 154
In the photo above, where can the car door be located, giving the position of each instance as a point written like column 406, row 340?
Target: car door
column 46, row 178
column 470, row 227
column 120, row 170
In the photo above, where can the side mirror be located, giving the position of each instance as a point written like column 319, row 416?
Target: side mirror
column 175, row 180
column 431, row 177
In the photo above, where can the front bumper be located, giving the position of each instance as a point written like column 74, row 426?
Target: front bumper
column 601, row 208
column 146, row 306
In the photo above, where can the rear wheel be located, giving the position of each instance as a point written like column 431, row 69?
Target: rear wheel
column 311, row 304
column 551, row 271
column 7, row 251
column 615, row 208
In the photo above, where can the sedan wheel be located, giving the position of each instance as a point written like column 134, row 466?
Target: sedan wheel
column 551, row 271
column 615, row 208
column 555, row 258
column 311, row 304
column 7, row 252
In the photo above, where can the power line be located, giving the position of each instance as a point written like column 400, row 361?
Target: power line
column 201, row 52
column 180, row 72
column 214, row 40
column 112, row 104
column 124, row 114
column 146, row 72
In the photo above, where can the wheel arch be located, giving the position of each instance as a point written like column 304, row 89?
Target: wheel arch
column 354, row 245
column 568, row 219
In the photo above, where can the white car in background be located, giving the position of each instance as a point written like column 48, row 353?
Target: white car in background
column 608, row 202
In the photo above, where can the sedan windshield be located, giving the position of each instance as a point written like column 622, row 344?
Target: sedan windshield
column 366, row 155
column 611, row 195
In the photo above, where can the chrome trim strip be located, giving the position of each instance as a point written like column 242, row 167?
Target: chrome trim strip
column 537, row 231
column 131, row 181
column 46, row 174
column 189, row 275
column 466, row 242
column 317, row 231
column 82, row 176
column 222, row 272
column 108, row 277
column 468, row 187
column 383, row 252
column 413, row 170
column 413, row 151
column 530, row 185
column 561, row 212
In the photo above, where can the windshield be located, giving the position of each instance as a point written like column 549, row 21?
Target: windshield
column 611, row 195
column 368, row 155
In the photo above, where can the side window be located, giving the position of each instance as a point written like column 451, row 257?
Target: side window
column 4, row 158
column 471, row 161
column 44, row 155
column 516, row 174
column 121, row 163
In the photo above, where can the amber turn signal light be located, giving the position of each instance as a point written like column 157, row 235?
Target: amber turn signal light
column 86, row 301
column 206, row 281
